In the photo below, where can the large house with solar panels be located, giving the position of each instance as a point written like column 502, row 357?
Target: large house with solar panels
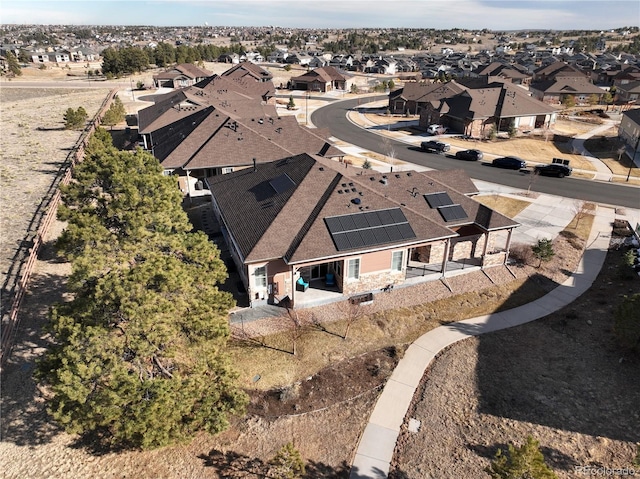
column 306, row 231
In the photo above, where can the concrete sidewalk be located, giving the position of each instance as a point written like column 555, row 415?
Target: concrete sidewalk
column 375, row 449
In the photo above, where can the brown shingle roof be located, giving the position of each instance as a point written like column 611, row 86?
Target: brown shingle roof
column 296, row 229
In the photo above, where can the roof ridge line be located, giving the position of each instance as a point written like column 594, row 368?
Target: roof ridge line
column 297, row 239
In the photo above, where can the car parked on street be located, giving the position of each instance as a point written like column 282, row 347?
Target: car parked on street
column 469, row 155
column 437, row 146
column 554, row 169
column 509, row 162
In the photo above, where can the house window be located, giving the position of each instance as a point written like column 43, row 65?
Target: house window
column 353, row 268
column 227, row 170
column 397, row 260
column 260, row 277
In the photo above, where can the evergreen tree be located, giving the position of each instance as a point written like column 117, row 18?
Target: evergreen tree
column 75, row 119
column 524, row 462
column 140, row 354
column 287, row 463
column 543, row 250
column 115, row 114
column 12, row 64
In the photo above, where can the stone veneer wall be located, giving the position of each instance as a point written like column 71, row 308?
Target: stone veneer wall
column 372, row 281
column 495, row 259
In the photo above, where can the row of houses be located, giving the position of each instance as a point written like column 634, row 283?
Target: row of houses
column 303, row 228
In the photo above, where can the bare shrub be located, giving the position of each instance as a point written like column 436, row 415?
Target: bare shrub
column 521, row 253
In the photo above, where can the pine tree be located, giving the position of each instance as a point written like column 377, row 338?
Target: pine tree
column 115, row 114
column 524, row 462
column 140, row 351
column 287, row 463
column 543, row 250
column 12, row 64
column 75, row 119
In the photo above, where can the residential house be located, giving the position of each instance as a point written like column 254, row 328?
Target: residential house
column 413, row 96
column 628, row 92
column 482, row 108
column 513, row 73
column 629, row 132
column 221, row 124
column 556, row 90
column 320, row 79
column 295, row 223
column 180, row 76
column 248, row 71
column 554, row 70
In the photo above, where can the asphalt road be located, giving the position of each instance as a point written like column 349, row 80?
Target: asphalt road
column 334, row 117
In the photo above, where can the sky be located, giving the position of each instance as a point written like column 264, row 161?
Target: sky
column 438, row 14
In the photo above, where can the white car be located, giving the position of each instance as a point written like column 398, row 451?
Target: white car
column 437, row 129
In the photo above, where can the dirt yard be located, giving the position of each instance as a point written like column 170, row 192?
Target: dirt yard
column 562, row 379
column 34, row 147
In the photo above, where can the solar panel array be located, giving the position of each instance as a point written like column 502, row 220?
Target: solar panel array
column 452, row 213
column 449, row 210
column 370, row 228
column 436, row 200
column 282, row 183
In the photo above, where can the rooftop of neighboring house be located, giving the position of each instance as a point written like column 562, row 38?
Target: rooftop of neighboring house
column 568, row 85
column 249, row 69
column 188, row 70
column 325, row 74
column 286, row 208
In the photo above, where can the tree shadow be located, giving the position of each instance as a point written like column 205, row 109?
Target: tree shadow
column 563, row 371
column 554, row 458
column 25, row 421
column 233, row 465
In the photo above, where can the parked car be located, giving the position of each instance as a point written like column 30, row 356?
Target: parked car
column 510, row 162
column 554, row 169
column 437, row 129
column 437, row 146
column 469, row 155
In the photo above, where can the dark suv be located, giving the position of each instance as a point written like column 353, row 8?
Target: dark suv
column 436, row 146
column 469, row 155
column 554, row 169
column 510, row 162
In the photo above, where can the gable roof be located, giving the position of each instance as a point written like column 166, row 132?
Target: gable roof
column 572, row 86
column 291, row 224
column 248, row 69
column 325, row 74
column 427, row 91
column 495, row 100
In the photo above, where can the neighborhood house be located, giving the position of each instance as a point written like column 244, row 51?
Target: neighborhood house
column 303, row 231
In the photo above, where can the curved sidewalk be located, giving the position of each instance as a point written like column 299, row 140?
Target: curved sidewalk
column 377, row 443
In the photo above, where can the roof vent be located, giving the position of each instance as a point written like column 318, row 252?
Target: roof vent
column 383, row 180
column 356, row 201
column 409, row 173
column 321, row 168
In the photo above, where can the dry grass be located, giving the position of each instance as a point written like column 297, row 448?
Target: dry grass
column 606, row 147
column 502, row 204
column 529, row 149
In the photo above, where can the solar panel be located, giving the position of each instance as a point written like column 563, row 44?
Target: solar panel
column 333, row 224
column 452, row 213
column 341, row 241
column 436, row 200
column 282, row 183
column 370, row 228
column 372, row 218
column 347, row 223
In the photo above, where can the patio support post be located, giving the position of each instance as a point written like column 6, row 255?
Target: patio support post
column 484, row 248
column 188, row 186
column 447, row 247
column 508, row 246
